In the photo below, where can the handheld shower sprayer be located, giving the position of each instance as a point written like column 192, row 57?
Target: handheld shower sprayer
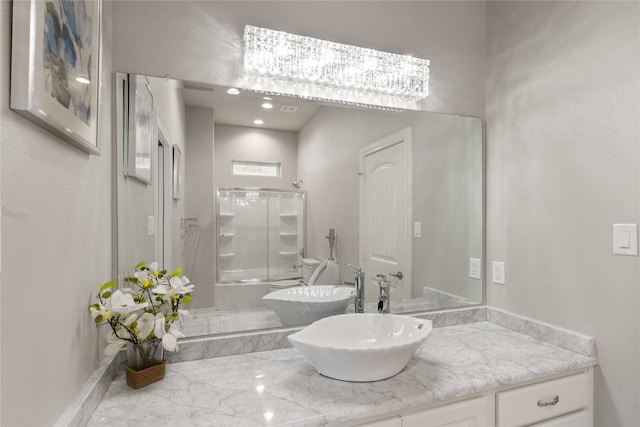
column 332, row 238
column 297, row 183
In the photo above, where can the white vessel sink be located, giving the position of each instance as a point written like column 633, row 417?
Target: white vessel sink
column 361, row 347
column 306, row 304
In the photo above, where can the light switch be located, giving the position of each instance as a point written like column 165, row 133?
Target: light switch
column 498, row 272
column 625, row 239
column 474, row 268
column 417, row 229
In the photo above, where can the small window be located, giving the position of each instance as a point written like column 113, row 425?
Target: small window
column 255, row 168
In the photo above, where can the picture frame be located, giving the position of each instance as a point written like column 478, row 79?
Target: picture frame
column 56, row 68
column 140, row 129
column 177, row 170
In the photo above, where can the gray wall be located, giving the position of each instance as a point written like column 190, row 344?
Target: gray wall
column 199, row 196
column 137, row 201
column 56, row 250
column 168, row 104
column 205, row 44
column 255, row 145
column 447, row 193
column 563, row 134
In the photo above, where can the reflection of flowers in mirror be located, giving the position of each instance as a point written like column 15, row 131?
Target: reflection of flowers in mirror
column 147, row 312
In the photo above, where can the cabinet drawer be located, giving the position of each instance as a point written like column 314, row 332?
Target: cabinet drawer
column 538, row 402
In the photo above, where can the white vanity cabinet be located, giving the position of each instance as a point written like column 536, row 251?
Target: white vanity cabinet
column 562, row 402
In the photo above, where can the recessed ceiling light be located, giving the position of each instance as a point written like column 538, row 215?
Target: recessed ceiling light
column 233, row 91
column 267, row 105
column 258, row 122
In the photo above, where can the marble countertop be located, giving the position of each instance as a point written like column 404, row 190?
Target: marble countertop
column 280, row 387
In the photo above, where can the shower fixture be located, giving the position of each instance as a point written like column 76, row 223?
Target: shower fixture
column 297, row 183
column 332, row 238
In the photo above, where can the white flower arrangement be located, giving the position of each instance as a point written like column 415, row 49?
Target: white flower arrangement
column 146, row 313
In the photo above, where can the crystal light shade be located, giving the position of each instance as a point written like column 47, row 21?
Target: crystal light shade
column 294, row 58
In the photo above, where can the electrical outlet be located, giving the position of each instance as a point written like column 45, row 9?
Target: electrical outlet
column 498, row 272
column 475, row 270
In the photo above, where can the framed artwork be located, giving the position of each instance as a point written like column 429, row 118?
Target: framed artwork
column 141, row 129
column 55, row 67
column 177, row 168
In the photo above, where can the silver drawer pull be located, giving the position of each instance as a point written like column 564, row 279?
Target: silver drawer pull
column 555, row 401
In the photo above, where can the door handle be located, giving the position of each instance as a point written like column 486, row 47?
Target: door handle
column 399, row 275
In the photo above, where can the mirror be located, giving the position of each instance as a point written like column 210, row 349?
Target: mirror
column 328, row 153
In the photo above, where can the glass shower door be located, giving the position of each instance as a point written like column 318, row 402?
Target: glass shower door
column 286, row 234
column 242, row 236
column 260, row 234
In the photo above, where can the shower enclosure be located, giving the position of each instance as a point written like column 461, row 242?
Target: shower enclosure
column 260, row 234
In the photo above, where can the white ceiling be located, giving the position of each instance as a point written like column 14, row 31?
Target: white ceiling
column 244, row 108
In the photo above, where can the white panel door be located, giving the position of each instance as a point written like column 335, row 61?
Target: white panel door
column 385, row 208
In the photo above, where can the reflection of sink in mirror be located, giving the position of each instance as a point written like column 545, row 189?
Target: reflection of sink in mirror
column 361, row 347
column 306, row 304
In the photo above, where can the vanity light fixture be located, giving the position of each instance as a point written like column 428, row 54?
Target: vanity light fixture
column 289, row 57
column 258, row 122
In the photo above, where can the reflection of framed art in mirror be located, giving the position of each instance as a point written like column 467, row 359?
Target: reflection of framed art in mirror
column 55, row 68
column 141, row 129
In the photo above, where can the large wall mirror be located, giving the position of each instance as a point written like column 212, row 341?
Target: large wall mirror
column 262, row 203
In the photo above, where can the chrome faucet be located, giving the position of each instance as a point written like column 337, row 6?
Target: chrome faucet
column 384, row 299
column 359, row 284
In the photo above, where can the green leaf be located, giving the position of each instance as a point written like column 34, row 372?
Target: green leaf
column 140, row 265
column 99, row 318
column 106, row 294
column 107, row 285
column 186, row 298
column 176, row 272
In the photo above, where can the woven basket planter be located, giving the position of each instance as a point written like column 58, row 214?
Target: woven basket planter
column 144, row 377
column 145, row 363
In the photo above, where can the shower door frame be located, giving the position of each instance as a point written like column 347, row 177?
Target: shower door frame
column 303, row 194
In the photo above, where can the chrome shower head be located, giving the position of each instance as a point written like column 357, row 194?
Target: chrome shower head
column 297, row 183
